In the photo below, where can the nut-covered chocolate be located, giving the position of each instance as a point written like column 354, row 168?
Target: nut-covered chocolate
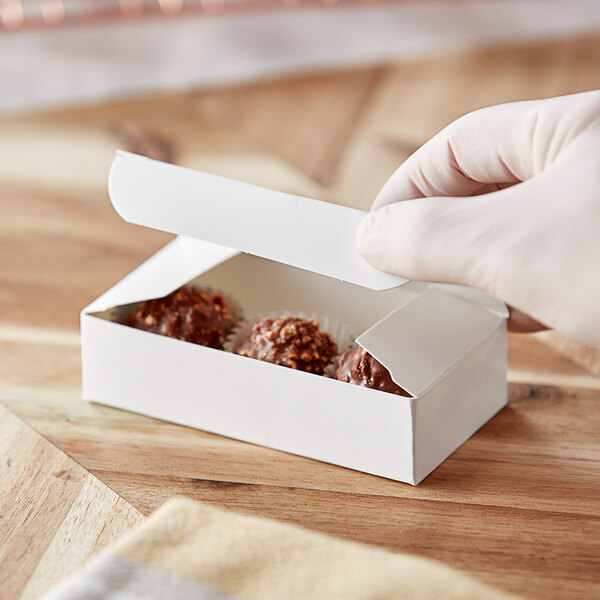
column 357, row 366
column 292, row 342
column 188, row 314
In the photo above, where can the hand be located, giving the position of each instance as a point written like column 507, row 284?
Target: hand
column 523, row 219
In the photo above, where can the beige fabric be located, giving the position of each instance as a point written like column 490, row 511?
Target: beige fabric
column 253, row 559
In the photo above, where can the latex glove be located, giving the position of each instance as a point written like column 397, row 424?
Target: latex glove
column 535, row 244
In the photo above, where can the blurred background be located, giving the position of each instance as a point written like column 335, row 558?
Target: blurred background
column 317, row 97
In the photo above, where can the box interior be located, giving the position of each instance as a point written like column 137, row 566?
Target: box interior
column 407, row 341
column 260, row 285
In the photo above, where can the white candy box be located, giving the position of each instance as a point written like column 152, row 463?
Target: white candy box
column 445, row 345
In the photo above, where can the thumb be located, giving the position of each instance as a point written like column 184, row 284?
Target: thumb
column 462, row 240
column 434, row 239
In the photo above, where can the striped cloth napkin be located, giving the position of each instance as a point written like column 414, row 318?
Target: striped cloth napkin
column 187, row 550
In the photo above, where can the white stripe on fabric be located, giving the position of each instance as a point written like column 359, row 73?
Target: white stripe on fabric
column 115, row 578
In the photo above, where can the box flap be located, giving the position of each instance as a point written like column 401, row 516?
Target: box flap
column 492, row 303
column 178, row 262
column 423, row 339
column 301, row 232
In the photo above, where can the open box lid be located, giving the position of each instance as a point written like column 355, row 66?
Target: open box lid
column 418, row 343
column 301, row 232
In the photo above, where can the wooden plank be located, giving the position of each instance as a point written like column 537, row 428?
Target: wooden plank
column 55, row 515
column 48, row 238
column 537, row 554
column 532, row 360
column 491, row 468
column 581, row 354
column 517, row 505
column 539, row 460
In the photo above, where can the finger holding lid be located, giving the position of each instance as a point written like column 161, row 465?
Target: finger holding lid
column 490, row 149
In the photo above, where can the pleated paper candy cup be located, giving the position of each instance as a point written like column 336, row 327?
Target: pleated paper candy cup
column 340, row 332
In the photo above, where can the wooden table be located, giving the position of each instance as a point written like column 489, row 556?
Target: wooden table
column 517, row 506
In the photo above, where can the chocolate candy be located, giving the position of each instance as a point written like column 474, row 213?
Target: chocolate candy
column 188, row 314
column 357, row 366
column 290, row 341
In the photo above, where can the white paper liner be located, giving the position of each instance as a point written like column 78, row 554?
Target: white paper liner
column 340, row 332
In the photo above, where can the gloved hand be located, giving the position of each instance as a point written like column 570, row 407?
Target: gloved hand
column 505, row 199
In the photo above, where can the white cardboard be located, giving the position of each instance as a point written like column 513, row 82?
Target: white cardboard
column 302, row 232
column 423, row 339
column 476, row 296
column 248, row 400
column 445, row 345
column 178, row 262
column 460, row 403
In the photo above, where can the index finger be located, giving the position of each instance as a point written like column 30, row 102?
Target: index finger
column 488, row 149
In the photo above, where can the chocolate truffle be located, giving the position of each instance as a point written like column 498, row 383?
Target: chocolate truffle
column 188, row 314
column 357, row 366
column 290, row 341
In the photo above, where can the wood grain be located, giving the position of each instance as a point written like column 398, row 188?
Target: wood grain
column 586, row 356
column 516, row 506
column 535, row 468
column 494, row 467
column 55, row 514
